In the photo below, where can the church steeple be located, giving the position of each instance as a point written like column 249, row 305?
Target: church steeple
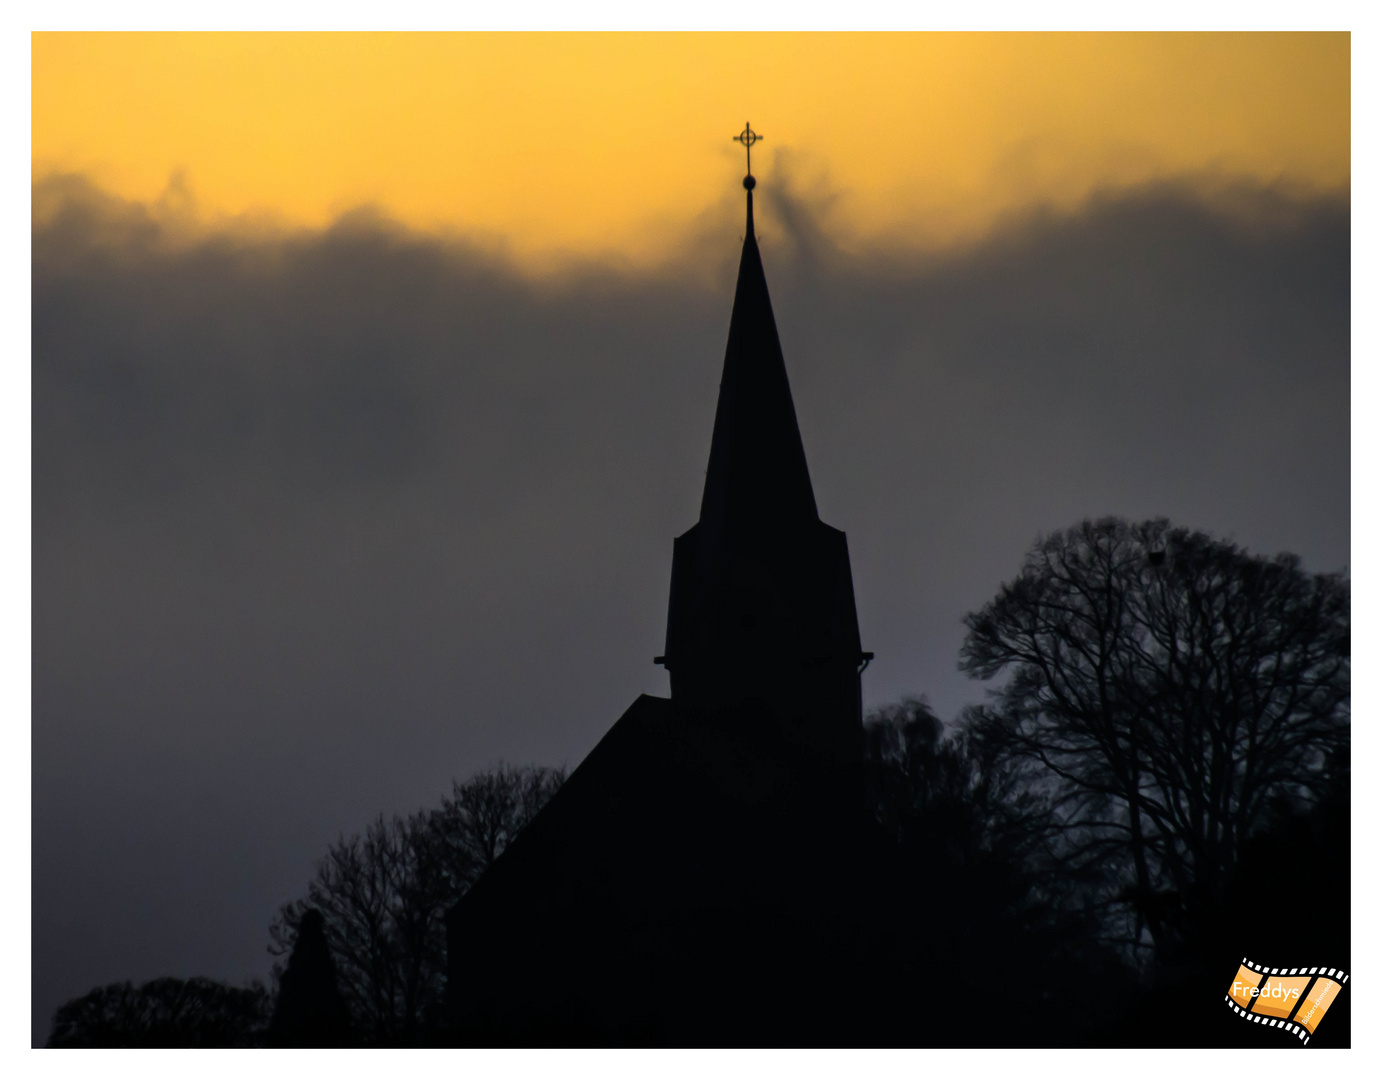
column 757, row 474
column 761, row 613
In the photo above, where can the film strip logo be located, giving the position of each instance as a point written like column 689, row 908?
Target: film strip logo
column 1294, row 999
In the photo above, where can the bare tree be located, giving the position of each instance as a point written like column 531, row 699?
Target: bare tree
column 383, row 896
column 1164, row 690
column 483, row 815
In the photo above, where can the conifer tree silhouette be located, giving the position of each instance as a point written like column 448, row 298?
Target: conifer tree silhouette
column 310, row 1011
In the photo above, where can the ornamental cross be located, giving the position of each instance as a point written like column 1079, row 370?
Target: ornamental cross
column 748, row 137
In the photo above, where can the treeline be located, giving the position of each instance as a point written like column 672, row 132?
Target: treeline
column 1166, row 748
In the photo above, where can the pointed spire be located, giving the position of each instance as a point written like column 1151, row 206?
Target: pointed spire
column 757, row 473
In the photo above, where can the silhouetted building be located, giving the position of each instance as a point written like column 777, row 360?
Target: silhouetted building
column 698, row 879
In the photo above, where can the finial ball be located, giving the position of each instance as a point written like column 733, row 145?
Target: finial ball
column 749, row 182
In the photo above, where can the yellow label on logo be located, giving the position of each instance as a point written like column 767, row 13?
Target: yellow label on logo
column 1321, row 995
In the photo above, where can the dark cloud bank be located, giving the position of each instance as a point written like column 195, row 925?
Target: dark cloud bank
column 322, row 520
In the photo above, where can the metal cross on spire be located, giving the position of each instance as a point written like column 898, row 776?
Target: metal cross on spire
column 748, row 137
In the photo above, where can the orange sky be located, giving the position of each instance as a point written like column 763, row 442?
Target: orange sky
column 591, row 143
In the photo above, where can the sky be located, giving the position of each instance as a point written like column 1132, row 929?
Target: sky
column 374, row 375
column 615, row 143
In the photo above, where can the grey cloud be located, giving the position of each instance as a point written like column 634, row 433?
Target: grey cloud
column 324, row 519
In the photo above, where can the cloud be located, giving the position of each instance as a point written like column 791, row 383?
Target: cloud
column 322, row 519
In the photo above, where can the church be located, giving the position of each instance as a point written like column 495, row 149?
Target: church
column 700, row 877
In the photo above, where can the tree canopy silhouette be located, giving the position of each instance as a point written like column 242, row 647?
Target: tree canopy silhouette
column 164, row 1013
column 1165, row 691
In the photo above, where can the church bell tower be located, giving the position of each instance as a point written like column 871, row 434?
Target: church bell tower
column 761, row 615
